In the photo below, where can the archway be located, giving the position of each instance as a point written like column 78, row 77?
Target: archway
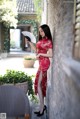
column 22, row 25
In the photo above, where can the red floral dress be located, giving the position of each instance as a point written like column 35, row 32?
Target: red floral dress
column 44, row 63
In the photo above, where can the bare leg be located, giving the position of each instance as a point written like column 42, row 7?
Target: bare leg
column 41, row 97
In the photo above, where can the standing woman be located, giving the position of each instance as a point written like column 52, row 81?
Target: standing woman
column 43, row 51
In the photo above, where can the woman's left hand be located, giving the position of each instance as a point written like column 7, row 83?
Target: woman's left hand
column 37, row 56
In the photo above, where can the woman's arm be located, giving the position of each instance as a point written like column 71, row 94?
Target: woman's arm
column 48, row 54
column 32, row 46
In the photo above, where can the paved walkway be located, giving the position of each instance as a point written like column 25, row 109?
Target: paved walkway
column 15, row 63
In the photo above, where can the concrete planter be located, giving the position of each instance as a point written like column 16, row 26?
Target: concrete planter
column 23, row 86
column 29, row 61
column 4, row 55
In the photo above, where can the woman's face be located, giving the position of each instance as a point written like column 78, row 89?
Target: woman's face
column 41, row 32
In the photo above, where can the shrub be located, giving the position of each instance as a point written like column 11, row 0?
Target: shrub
column 13, row 77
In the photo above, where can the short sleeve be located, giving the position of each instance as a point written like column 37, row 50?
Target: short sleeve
column 50, row 45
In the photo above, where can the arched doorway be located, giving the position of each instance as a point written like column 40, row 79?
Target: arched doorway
column 17, row 40
column 30, row 25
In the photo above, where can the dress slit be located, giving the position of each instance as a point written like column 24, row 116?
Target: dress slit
column 43, row 82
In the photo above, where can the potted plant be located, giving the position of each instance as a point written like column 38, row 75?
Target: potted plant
column 29, row 61
column 19, row 79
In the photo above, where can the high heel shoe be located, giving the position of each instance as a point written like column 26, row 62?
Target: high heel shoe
column 37, row 112
column 45, row 108
column 40, row 114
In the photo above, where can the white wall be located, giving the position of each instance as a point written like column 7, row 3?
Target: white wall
column 15, row 36
column 0, row 36
column 44, row 12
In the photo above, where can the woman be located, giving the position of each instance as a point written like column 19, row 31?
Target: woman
column 43, row 50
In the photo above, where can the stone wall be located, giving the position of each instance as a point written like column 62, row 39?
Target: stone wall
column 60, row 20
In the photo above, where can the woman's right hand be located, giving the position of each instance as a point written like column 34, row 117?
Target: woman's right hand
column 37, row 56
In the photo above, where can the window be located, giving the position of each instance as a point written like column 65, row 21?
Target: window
column 76, row 49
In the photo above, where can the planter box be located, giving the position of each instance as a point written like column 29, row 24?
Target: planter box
column 28, row 61
column 23, row 86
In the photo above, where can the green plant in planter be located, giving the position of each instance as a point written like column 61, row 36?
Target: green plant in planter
column 14, row 77
column 29, row 58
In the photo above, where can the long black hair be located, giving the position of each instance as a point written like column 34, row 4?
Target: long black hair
column 47, row 32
